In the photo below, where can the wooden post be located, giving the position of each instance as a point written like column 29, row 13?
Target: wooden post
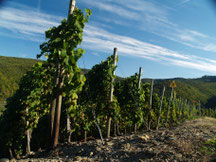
column 150, row 105
column 109, row 119
column 168, row 109
column 85, row 136
column 68, row 128
column 117, row 128
column 58, row 110
column 140, row 74
column 172, row 85
column 112, row 81
column 28, row 138
column 139, row 83
column 183, row 109
column 60, row 78
column 199, row 108
column 53, row 105
column 179, row 108
column 161, row 104
column 188, row 114
column 71, row 7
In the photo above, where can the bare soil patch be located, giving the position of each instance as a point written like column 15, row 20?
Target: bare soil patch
column 181, row 143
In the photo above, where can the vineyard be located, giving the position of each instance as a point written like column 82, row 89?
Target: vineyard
column 55, row 103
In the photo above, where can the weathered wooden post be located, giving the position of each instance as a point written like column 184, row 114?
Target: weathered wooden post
column 199, row 108
column 188, row 106
column 172, row 85
column 69, row 132
column 150, row 105
column 28, row 137
column 72, row 6
column 139, row 83
column 183, row 109
column 60, row 80
column 109, row 119
column 179, row 108
column 140, row 75
column 161, row 104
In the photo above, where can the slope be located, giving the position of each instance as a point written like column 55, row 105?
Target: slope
column 203, row 89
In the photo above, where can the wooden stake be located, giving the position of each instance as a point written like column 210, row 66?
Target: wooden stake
column 112, row 81
column 150, row 106
column 71, row 7
column 161, row 104
column 188, row 114
column 140, row 74
column 85, row 134
column 60, row 78
column 170, row 101
column 58, row 110
column 53, row 106
column 69, row 128
column 115, row 128
column 28, row 138
column 179, row 107
column 109, row 119
column 139, row 83
column 183, row 110
column 199, row 108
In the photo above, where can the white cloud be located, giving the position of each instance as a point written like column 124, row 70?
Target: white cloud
column 210, row 47
column 155, row 18
column 101, row 40
column 21, row 19
column 110, row 7
column 27, row 23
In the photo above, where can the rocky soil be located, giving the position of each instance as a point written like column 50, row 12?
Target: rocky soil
column 182, row 143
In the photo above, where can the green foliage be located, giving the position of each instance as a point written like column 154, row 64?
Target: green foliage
column 25, row 105
column 131, row 100
column 96, row 93
column 209, row 146
column 11, row 70
column 32, row 100
column 98, row 84
column 61, row 48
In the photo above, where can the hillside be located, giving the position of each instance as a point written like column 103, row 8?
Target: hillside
column 203, row 89
column 11, row 70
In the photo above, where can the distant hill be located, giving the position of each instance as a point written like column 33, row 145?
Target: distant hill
column 11, row 70
column 203, row 89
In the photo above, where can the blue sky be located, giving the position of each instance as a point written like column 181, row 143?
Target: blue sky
column 167, row 38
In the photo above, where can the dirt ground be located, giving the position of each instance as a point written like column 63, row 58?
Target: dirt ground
column 185, row 142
